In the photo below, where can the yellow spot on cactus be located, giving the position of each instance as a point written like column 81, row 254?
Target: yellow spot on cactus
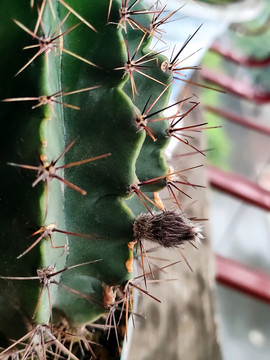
column 129, row 265
column 131, row 244
column 43, row 158
column 158, row 201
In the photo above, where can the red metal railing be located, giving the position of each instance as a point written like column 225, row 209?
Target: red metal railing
column 238, row 186
column 229, row 272
column 235, row 87
column 240, row 59
column 239, row 120
column 242, row 278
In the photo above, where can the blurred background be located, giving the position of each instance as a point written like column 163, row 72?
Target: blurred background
column 232, row 50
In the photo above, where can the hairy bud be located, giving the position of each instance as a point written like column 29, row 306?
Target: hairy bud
column 168, row 229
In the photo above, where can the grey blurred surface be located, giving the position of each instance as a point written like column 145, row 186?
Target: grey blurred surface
column 183, row 326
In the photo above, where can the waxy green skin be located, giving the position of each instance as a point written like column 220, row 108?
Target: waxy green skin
column 104, row 124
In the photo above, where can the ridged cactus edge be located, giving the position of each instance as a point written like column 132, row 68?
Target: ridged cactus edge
column 83, row 135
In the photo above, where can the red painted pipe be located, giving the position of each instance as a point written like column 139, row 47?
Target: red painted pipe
column 250, row 124
column 242, row 278
column 239, row 59
column 239, row 187
column 236, row 87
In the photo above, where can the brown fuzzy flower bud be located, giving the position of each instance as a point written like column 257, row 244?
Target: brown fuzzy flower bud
column 168, row 229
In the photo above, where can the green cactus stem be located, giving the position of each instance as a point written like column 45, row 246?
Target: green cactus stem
column 83, row 131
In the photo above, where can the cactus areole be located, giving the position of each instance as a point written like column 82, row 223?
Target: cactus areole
column 83, row 133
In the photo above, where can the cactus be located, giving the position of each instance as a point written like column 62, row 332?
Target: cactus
column 83, row 136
